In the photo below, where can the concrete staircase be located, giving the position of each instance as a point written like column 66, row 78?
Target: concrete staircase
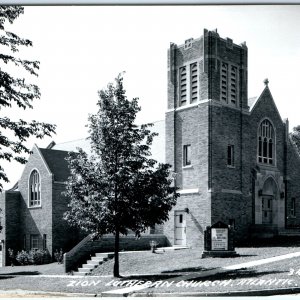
column 99, row 258
column 91, row 264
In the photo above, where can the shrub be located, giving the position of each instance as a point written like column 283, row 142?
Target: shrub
column 33, row 257
column 59, row 256
column 11, row 256
column 22, row 258
column 38, row 257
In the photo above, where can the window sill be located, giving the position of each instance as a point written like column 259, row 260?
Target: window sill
column 187, row 167
column 230, row 167
column 266, row 166
column 35, row 207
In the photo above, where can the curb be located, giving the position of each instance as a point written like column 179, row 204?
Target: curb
column 266, row 292
column 43, row 293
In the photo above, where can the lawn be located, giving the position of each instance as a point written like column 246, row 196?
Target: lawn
column 183, row 261
column 180, row 271
column 47, row 269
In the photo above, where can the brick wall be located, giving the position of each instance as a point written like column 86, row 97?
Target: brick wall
column 230, row 201
column 266, row 108
column 64, row 237
column 10, row 220
column 188, row 127
column 217, row 50
column 224, row 192
column 36, row 220
column 293, row 187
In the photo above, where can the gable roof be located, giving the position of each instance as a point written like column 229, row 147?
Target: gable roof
column 251, row 102
column 265, row 93
column 56, row 161
column 55, row 155
column 157, row 149
column 84, row 144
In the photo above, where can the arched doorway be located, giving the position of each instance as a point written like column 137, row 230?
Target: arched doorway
column 269, row 202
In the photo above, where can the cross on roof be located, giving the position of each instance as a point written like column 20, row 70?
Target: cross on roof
column 266, row 82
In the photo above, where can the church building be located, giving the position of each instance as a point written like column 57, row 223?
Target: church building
column 232, row 156
column 232, row 159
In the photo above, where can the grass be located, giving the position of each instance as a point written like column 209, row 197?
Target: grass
column 183, row 261
column 163, row 268
column 47, row 269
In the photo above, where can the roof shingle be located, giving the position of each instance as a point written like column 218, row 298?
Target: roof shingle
column 56, row 161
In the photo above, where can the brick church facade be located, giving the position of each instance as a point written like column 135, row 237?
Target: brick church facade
column 231, row 158
column 32, row 211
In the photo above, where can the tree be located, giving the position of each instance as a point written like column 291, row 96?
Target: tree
column 14, row 90
column 295, row 135
column 118, row 188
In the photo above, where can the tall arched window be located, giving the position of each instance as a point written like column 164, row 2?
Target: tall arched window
column 34, row 189
column 266, row 143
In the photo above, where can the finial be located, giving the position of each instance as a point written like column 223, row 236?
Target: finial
column 266, row 82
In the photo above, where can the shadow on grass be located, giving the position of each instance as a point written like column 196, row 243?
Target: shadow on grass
column 21, row 273
column 2, row 277
column 246, row 255
column 196, row 269
column 148, row 277
column 223, row 275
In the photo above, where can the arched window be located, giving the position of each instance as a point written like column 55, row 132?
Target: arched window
column 266, row 145
column 34, row 189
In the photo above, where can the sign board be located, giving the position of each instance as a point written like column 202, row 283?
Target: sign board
column 219, row 238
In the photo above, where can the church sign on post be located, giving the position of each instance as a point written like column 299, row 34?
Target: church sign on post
column 219, row 238
column 219, row 241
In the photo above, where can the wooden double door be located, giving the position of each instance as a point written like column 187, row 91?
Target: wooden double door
column 267, row 209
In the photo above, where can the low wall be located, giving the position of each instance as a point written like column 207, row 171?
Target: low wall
column 88, row 247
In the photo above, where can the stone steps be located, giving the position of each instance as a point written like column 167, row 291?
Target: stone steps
column 94, row 262
column 100, row 258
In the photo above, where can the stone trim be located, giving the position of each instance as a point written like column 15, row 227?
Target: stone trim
column 274, row 143
column 188, row 191
column 29, row 189
column 187, row 167
column 183, row 107
column 211, row 102
column 60, row 182
column 43, row 160
column 227, row 191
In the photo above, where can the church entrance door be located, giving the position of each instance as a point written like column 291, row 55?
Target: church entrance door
column 180, row 228
column 266, row 203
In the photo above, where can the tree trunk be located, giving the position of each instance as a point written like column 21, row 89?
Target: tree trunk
column 116, row 265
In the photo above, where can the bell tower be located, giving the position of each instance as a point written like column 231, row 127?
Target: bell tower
column 207, row 97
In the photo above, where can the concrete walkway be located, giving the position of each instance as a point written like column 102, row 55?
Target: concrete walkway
column 129, row 290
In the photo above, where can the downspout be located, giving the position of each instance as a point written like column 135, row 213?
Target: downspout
column 173, row 81
column 285, row 170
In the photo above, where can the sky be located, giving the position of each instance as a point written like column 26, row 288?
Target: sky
column 83, row 48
